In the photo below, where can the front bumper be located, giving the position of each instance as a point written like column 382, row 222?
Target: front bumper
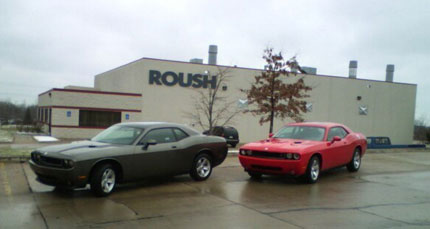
column 273, row 166
column 58, row 176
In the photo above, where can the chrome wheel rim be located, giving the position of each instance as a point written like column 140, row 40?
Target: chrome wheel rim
column 315, row 169
column 108, row 180
column 203, row 167
column 357, row 159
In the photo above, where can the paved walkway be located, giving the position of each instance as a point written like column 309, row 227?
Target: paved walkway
column 391, row 190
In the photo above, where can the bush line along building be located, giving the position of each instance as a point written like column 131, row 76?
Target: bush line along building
column 162, row 90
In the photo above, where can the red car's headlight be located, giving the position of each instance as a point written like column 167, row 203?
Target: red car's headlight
column 292, row 156
column 245, row 152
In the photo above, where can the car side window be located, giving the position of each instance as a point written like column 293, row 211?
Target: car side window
column 179, row 134
column 218, row 131
column 163, row 135
column 336, row 131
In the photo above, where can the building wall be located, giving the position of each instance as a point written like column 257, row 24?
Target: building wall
column 390, row 106
column 64, row 101
column 93, row 100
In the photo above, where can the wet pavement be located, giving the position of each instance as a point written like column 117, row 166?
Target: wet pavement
column 391, row 190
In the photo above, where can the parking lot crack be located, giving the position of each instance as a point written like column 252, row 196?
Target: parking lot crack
column 34, row 198
column 125, row 205
column 395, row 220
column 120, row 221
column 347, row 208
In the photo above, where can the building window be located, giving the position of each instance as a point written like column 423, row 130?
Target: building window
column 98, row 118
column 45, row 115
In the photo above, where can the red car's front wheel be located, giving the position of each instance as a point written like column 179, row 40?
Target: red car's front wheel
column 313, row 170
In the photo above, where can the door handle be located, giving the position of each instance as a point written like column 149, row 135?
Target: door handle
column 173, row 147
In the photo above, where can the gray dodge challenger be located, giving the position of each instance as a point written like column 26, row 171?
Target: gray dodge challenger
column 127, row 152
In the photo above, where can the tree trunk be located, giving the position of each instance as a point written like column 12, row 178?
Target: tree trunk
column 271, row 122
column 272, row 104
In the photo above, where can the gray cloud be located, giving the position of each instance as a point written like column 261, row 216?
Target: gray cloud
column 47, row 44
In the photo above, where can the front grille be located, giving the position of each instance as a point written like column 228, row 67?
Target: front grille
column 49, row 161
column 266, row 167
column 39, row 159
column 268, row 155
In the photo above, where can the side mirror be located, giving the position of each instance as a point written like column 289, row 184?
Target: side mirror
column 335, row 139
column 270, row 135
column 148, row 143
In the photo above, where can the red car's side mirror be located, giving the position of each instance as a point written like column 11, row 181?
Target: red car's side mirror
column 270, row 135
column 335, row 139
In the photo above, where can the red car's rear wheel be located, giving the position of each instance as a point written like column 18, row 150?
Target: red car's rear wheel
column 355, row 163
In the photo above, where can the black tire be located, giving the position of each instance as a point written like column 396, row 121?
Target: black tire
column 233, row 145
column 202, row 167
column 103, row 180
column 313, row 170
column 254, row 175
column 355, row 163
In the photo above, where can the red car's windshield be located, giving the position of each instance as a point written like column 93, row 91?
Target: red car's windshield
column 301, row 132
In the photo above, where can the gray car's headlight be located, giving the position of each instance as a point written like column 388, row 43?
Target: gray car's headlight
column 68, row 163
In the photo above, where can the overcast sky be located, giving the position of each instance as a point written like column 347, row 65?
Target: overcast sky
column 46, row 44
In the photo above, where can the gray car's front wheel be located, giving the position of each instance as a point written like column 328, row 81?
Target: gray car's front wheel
column 103, row 180
column 202, row 167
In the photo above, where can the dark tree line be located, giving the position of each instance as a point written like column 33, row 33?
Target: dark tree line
column 17, row 113
column 421, row 130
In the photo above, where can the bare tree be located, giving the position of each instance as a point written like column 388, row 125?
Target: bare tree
column 211, row 107
column 421, row 129
column 274, row 98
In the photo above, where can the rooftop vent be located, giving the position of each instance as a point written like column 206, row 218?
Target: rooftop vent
column 353, row 69
column 196, row 61
column 389, row 76
column 213, row 51
column 309, row 70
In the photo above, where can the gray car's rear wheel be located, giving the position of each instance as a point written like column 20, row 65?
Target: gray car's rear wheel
column 103, row 180
column 202, row 167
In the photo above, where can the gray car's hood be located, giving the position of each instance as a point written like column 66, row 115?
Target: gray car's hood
column 74, row 149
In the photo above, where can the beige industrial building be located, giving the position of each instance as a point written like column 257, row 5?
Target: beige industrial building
column 162, row 90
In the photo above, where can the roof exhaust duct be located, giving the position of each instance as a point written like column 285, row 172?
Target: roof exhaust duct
column 353, row 69
column 309, row 70
column 196, row 61
column 389, row 73
column 213, row 51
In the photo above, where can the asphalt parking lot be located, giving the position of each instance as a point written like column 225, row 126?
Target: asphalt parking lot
column 391, row 190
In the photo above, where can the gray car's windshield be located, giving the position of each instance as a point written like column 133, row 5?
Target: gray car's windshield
column 301, row 132
column 124, row 135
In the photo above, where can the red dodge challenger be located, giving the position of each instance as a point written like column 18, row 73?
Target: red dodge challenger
column 304, row 149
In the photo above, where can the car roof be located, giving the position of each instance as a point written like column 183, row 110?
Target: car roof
column 151, row 125
column 144, row 124
column 318, row 124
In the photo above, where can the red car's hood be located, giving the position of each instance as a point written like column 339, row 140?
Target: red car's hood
column 281, row 145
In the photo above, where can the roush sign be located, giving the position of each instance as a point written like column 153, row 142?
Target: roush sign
column 170, row 78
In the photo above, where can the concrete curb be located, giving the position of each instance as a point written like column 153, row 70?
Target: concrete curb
column 14, row 158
